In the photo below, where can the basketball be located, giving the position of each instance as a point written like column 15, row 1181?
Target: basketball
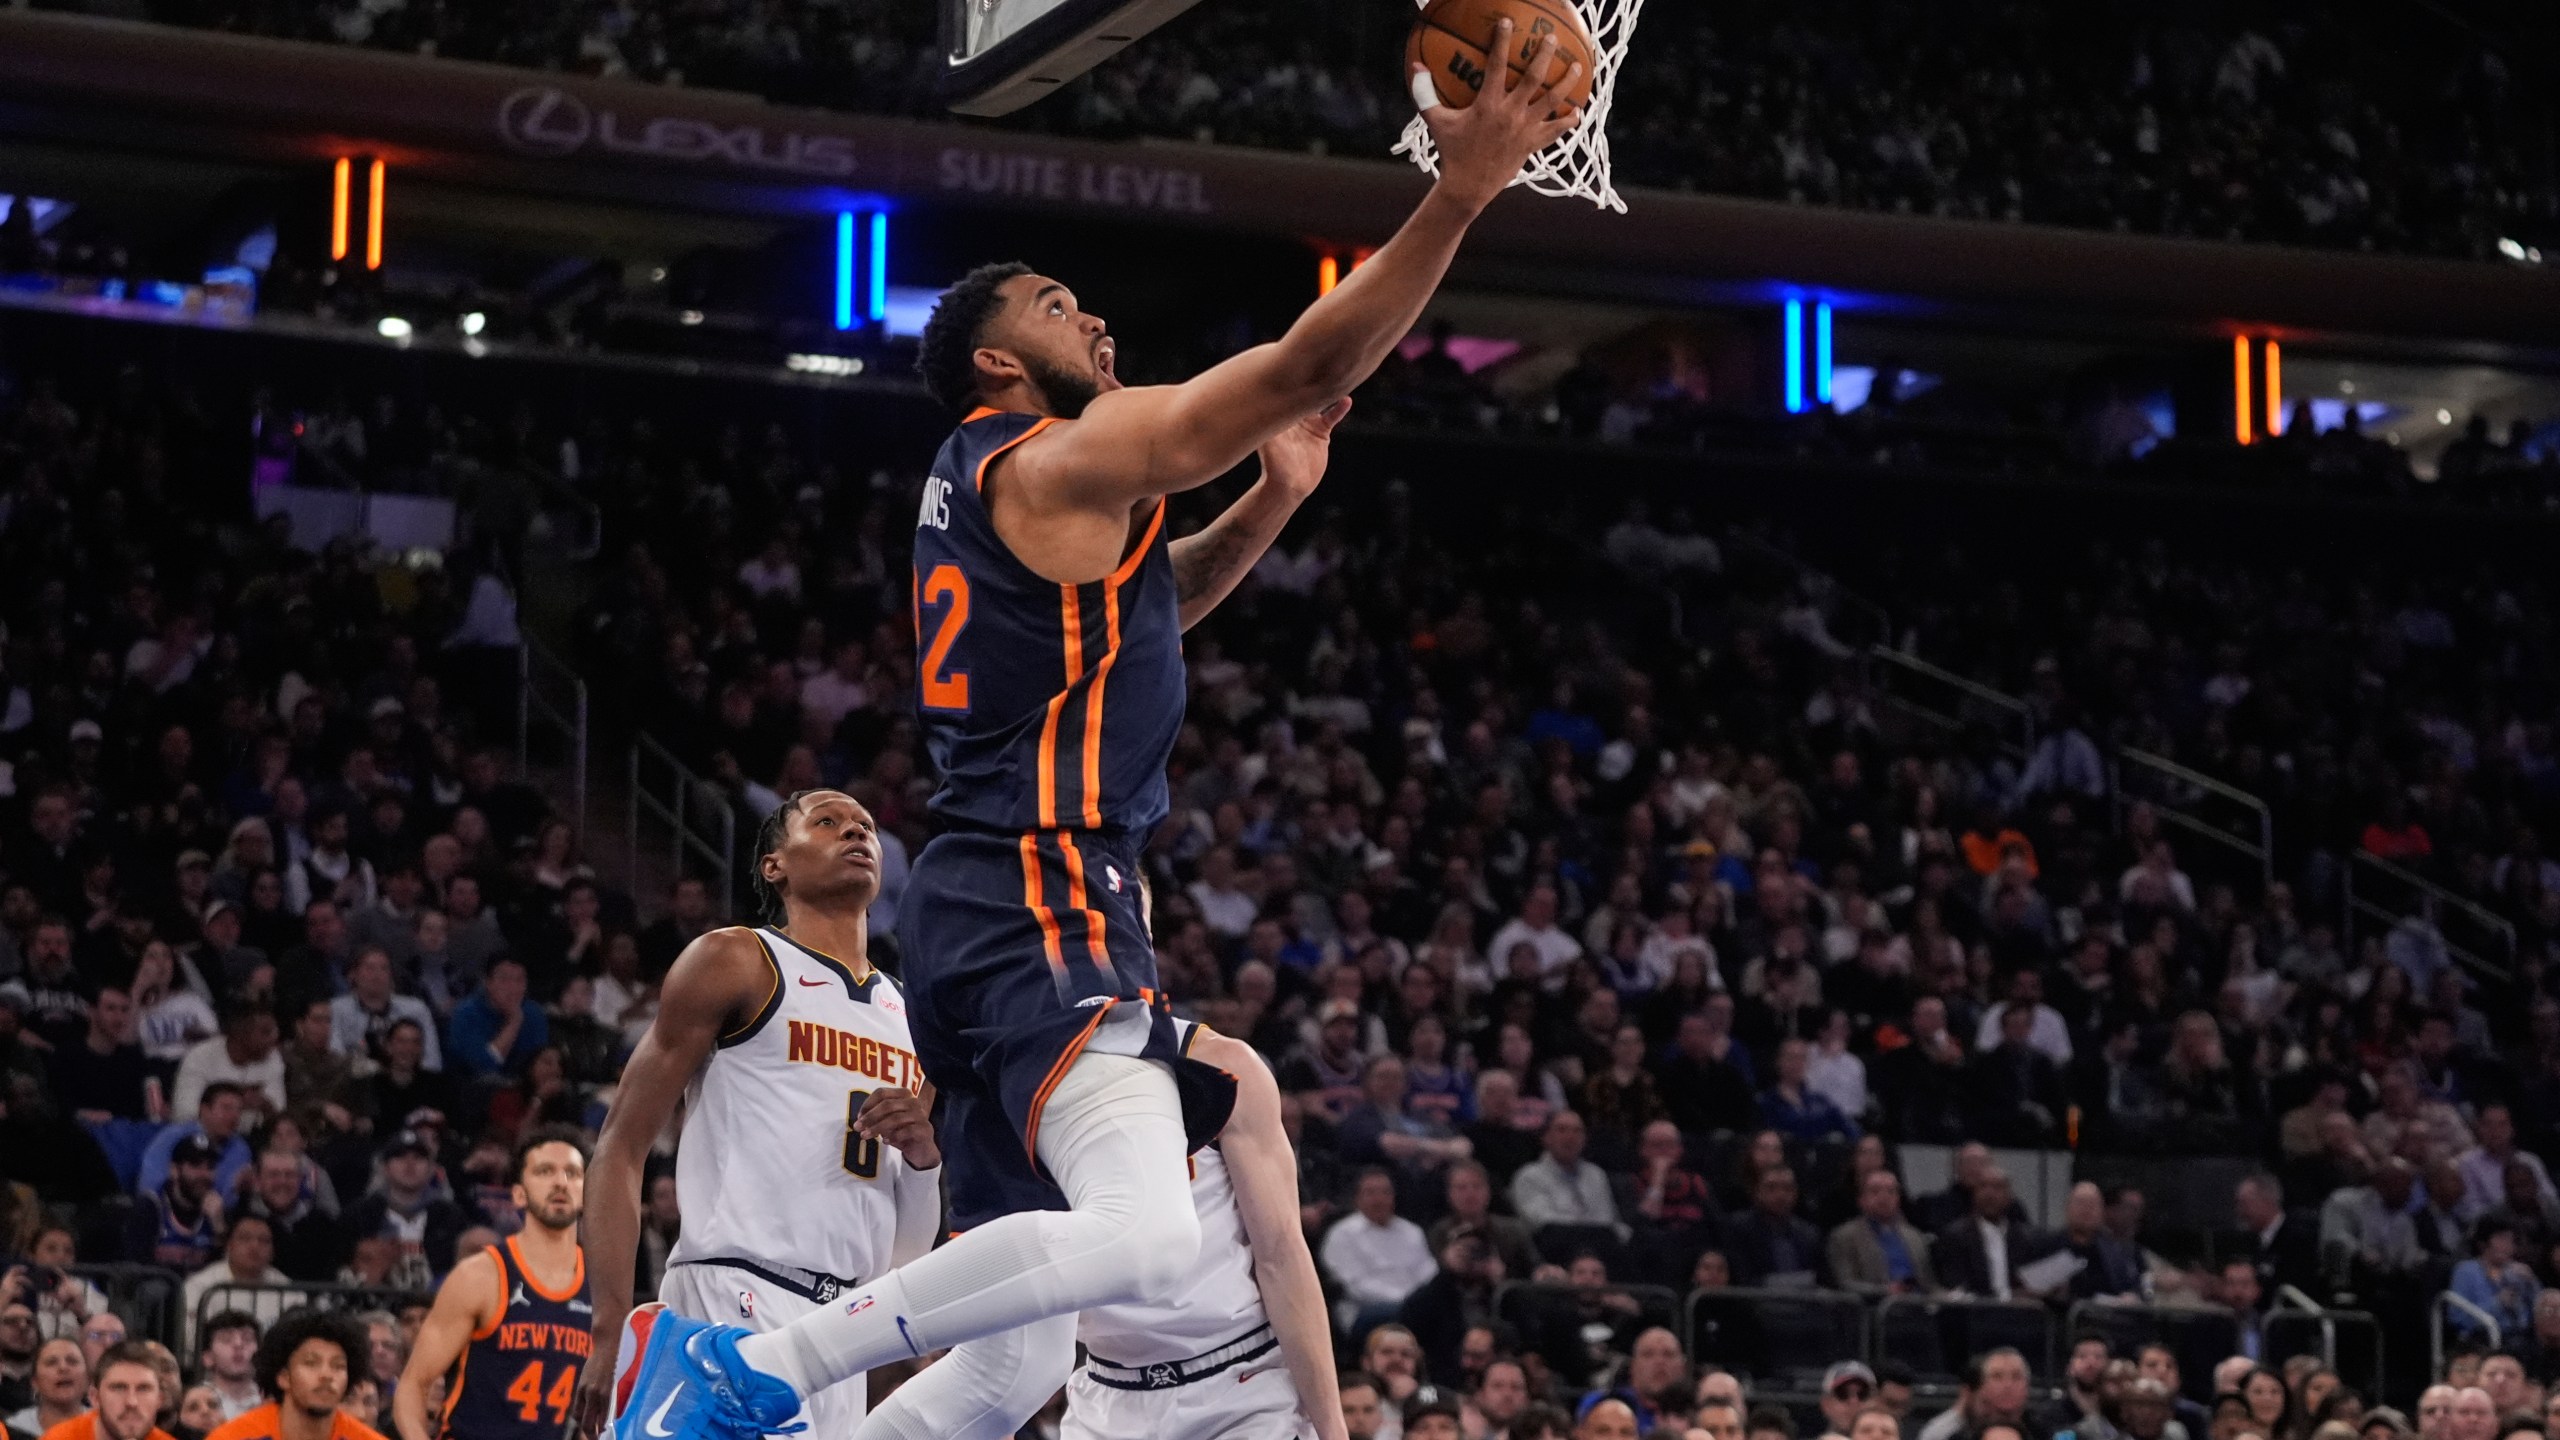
column 1452, row 37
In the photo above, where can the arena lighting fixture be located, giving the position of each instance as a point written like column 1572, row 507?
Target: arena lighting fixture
column 392, row 327
column 2275, row 389
column 1822, row 353
column 474, row 322
column 1328, row 273
column 373, row 219
column 338, row 186
column 2519, row 252
column 875, row 293
column 814, row 364
column 1795, row 357
column 688, row 317
column 862, row 267
column 2241, row 408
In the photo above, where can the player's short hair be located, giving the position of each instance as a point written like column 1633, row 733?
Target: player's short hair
column 294, row 1329
column 124, row 1352
column 569, row 1135
column 769, row 837
column 947, row 355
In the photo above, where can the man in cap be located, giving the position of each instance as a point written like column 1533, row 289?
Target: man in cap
column 1847, row 1388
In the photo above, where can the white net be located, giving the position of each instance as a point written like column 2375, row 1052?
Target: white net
column 1578, row 164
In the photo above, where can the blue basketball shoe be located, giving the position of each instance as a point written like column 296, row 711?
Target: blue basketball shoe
column 690, row 1384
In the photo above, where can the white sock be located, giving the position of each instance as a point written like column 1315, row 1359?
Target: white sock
column 1112, row 1134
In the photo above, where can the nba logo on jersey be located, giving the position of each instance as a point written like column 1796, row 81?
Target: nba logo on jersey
column 747, row 1303
column 1112, row 874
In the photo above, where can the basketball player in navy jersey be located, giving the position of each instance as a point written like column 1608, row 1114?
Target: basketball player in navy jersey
column 1049, row 610
column 509, row 1329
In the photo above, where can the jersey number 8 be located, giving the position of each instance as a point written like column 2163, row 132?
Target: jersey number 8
column 861, row 1153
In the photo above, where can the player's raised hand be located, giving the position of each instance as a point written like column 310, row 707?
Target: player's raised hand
column 1514, row 117
column 902, row 1119
column 1295, row 458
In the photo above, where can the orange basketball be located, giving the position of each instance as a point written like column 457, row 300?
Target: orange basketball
column 1452, row 37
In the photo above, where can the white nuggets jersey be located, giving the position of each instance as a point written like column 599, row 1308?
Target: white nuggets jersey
column 1219, row 1304
column 769, row 1167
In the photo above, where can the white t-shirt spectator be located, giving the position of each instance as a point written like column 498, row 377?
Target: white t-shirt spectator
column 1840, row 1078
column 830, row 697
column 1556, row 949
column 175, row 1025
column 210, row 1061
column 1227, row 913
column 350, row 1025
column 1378, row 1264
column 2050, row 1034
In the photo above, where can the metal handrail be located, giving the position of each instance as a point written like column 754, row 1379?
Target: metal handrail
column 685, row 795
column 2435, row 1326
column 2264, row 852
column 535, row 663
column 1687, row 1309
column 2329, row 1320
column 2041, row 1364
column 2433, row 899
column 2009, row 706
column 1738, row 538
column 267, row 1302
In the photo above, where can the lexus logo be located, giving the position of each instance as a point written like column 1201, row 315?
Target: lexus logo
column 548, row 121
column 542, row 120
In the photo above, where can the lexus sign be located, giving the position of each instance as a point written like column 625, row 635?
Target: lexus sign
column 548, row 121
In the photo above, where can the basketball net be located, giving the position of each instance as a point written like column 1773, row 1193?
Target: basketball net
column 1578, row 163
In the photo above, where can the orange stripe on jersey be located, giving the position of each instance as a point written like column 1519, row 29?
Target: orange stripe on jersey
column 1093, row 941
column 978, row 482
column 1058, row 1072
column 1146, row 542
column 1071, row 626
column 1049, row 941
column 1093, row 708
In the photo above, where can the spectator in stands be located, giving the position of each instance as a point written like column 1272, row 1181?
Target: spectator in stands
column 2238, row 1290
column 404, row 1091
column 1470, row 1200
column 307, row 1242
column 2081, row 1405
column 1676, row 1206
column 180, row 1218
column 1440, row 1311
column 1381, row 1131
column 2494, row 1281
column 359, row 1019
column 1562, row 1191
column 1848, row 1388
column 1702, row 1085
column 2158, row 1365
column 1536, row 927
column 61, row 1386
column 1503, row 1393
column 1717, row 1418
column 2017, row 1091
column 405, row 1208
column 498, row 1030
column 1794, row 1110
column 1981, row 1253
column 102, row 1077
column 1768, row 1244
column 2284, row 1250
column 2485, row 1166
column 1363, row 1407
column 243, row 1055
column 227, row 1359
column 248, row 1260
column 2109, row 1268
column 1375, row 1256
column 1878, row 1251
column 2474, row 1415
column 1993, row 1392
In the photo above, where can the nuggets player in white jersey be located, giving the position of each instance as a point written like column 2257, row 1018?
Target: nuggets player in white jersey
column 807, row 1165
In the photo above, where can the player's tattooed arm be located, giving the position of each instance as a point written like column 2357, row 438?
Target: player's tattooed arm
column 1208, row 566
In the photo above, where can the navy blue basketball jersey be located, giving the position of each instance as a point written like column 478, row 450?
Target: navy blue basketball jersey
column 1045, row 706
column 515, row 1379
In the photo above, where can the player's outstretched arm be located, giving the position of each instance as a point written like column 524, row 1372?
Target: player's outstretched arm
column 722, row 978
column 1265, row 1172
column 1207, row 566
column 1153, row 440
column 467, row 1301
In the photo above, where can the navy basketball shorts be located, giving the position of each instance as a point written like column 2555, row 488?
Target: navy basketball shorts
column 1020, row 953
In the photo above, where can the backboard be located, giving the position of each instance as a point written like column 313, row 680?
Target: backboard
column 1000, row 55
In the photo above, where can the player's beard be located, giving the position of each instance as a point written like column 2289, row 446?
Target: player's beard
column 1067, row 391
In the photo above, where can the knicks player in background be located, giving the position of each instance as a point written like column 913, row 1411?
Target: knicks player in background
column 806, row 1167
column 1049, row 612
column 508, row 1333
